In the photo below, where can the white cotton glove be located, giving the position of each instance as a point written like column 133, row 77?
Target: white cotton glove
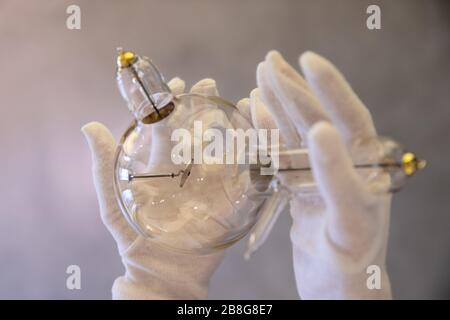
column 340, row 231
column 152, row 272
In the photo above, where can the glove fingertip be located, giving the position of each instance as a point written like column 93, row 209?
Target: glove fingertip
column 308, row 58
column 314, row 64
column 324, row 140
column 86, row 129
column 274, row 55
column 243, row 104
column 278, row 63
column 205, row 86
column 244, row 108
column 98, row 137
column 177, row 85
column 321, row 130
column 256, row 104
column 263, row 85
column 260, row 73
column 92, row 129
column 254, row 94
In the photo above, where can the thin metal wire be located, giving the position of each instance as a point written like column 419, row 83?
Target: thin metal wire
column 358, row 166
column 138, row 79
column 184, row 174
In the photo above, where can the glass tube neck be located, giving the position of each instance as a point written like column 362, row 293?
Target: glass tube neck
column 143, row 87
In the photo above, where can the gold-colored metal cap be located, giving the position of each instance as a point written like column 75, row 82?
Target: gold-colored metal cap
column 125, row 58
column 410, row 163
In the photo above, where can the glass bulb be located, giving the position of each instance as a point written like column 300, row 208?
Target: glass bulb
column 178, row 191
column 193, row 205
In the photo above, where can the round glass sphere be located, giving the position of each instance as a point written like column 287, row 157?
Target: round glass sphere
column 176, row 191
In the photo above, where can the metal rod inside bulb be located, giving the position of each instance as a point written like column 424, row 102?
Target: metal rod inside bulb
column 138, row 79
column 161, row 175
column 173, row 175
column 183, row 173
column 360, row 166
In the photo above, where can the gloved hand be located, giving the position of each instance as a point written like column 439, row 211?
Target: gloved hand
column 340, row 231
column 152, row 272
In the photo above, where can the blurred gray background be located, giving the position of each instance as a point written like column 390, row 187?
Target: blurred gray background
column 54, row 80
